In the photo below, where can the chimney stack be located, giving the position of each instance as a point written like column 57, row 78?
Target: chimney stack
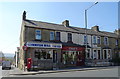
column 95, row 28
column 66, row 23
column 24, row 15
column 117, row 32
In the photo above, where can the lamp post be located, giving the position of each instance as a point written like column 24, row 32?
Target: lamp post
column 86, row 24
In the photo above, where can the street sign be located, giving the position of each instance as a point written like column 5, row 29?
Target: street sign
column 24, row 47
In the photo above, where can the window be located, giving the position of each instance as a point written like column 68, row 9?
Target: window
column 98, row 40
column 54, row 56
column 51, row 35
column 94, row 54
column 109, row 54
column 94, row 40
column 38, row 34
column 106, row 40
column 99, row 54
column 69, row 37
column 116, row 42
column 58, row 36
column 43, row 54
column 105, row 54
column 88, row 54
column 85, row 39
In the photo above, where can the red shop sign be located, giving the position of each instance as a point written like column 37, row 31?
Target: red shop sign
column 73, row 48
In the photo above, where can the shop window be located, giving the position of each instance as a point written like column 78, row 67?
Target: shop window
column 43, row 54
column 51, row 35
column 37, row 54
column 58, row 36
column 69, row 37
column 38, row 34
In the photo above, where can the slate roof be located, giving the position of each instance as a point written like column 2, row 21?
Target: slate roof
column 45, row 25
column 90, row 31
column 110, row 34
column 60, row 27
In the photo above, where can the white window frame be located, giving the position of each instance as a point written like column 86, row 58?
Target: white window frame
column 85, row 38
column 56, row 35
column 110, row 53
column 97, row 53
column 107, row 53
column 94, row 41
column 36, row 34
column 52, row 35
column 89, row 53
column 97, row 39
column 106, row 41
column 94, row 54
column 69, row 37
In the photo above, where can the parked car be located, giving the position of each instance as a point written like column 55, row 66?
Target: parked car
column 6, row 64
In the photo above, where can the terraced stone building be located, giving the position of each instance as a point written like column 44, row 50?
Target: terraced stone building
column 51, row 45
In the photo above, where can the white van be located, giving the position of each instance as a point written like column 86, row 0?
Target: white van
column 6, row 64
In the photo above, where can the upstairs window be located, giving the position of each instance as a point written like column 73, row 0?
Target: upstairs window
column 98, row 40
column 105, row 40
column 51, row 35
column 94, row 40
column 38, row 34
column 58, row 36
column 116, row 42
column 69, row 37
column 85, row 39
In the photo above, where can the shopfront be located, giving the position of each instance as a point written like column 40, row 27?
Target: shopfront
column 43, row 55
column 73, row 55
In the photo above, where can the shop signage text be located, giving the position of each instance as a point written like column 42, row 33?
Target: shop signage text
column 44, row 45
column 73, row 48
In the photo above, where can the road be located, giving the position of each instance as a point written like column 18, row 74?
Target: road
column 7, row 72
column 108, row 72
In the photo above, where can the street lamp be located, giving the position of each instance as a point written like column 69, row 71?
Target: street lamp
column 86, row 24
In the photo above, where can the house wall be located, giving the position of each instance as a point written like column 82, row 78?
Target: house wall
column 64, row 37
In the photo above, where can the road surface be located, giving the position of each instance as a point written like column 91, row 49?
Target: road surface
column 108, row 72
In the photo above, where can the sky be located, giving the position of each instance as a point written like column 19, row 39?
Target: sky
column 104, row 14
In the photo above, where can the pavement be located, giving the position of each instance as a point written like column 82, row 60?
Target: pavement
column 58, row 70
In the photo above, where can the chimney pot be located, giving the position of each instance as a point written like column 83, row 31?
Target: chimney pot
column 24, row 15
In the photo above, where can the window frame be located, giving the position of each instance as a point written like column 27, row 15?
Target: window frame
column 106, row 42
column 52, row 35
column 57, row 37
column 69, row 35
column 116, row 42
column 94, row 39
column 98, row 40
column 85, row 39
column 38, row 34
